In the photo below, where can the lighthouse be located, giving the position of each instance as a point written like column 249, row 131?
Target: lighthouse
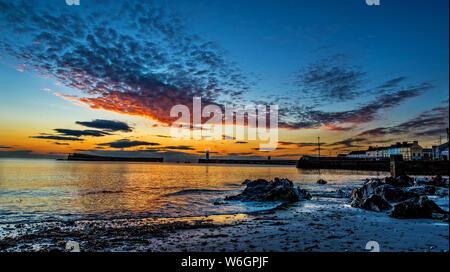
column 207, row 153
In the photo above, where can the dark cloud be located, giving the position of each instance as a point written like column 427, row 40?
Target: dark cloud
column 299, row 144
column 79, row 133
column 241, row 142
column 179, row 147
column 350, row 142
column 56, row 143
column 162, row 136
column 297, row 117
column 125, row 143
column 142, row 62
column 107, row 125
column 4, row 147
column 332, row 79
column 57, row 138
column 392, row 83
column 429, row 123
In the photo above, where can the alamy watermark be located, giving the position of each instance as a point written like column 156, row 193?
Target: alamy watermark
column 73, row 2
column 246, row 123
column 373, row 246
column 373, row 2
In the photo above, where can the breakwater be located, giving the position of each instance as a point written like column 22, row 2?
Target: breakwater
column 265, row 162
column 86, row 157
column 396, row 167
column 348, row 164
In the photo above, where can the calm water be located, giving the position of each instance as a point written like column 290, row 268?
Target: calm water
column 48, row 190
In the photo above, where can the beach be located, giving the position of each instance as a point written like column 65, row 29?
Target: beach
column 91, row 205
column 321, row 224
column 331, row 227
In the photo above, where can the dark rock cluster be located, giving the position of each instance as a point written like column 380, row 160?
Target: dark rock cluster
column 276, row 190
column 406, row 196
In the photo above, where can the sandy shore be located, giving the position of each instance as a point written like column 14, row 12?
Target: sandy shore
column 340, row 229
column 320, row 224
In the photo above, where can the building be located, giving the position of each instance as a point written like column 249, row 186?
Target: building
column 440, row 152
column 409, row 151
column 357, row 155
column 374, row 153
column 427, row 153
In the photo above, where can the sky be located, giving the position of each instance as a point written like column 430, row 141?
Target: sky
column 102, row 77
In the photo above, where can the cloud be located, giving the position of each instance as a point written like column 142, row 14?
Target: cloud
column 350, row 142
column 392, row 83
column 56, row 143
column 57, row 138
column 296, row 117
column 332, row 79
column 162, row 136
column 125, row 143
column 107, row 125
column 4, row 147
column 179, row 147
column 299, row 144
column 430, row 123
column 143, row 62
column 79, row 133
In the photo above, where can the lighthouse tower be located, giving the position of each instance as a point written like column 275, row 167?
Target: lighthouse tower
column 207, row 153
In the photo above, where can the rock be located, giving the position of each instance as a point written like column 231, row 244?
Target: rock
column 322, row 181
column 375, row 194
column 439, row 181
column 277, row 190
column 341, row 194
column 422, row 181
column 393, row 194
column 303, row 193
column 369, row 187
column 421, row 190
column 441, row 192
column 418, row 207
column 375, row 203
column 401, row 181
column 436, row 181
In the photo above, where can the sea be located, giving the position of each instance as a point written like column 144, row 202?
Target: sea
column 36, row 190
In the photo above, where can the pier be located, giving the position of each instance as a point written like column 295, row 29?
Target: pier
column 86, row 157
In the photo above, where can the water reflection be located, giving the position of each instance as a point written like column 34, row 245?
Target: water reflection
column 45, row 189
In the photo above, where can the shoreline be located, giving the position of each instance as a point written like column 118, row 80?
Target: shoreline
column 322, row 224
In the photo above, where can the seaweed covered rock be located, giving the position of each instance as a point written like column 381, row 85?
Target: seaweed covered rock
column 277, row 190
column 375, row 203
column 418, row 207
column 437, row 181
column 393, row 194
column 322, row 181
column 422, row 190
column 375, row 194
column 401, row 181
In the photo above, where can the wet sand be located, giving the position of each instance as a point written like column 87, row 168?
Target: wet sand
column 317, row 225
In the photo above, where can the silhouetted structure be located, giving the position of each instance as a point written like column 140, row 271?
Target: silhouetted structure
column 87, row 157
